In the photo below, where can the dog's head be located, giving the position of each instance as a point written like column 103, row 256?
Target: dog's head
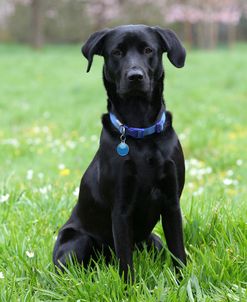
column 133, row 56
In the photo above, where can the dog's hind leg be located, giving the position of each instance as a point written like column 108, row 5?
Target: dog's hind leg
column 153, row 241
column 72, row 243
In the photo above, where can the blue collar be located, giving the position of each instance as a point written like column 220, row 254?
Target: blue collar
column 138, row 132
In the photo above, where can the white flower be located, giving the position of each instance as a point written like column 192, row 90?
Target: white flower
column 191, row 185
column 229, row 181
column 182, row 136
column 194, row 161
column 82, row 139
column 239, row 162
column 29, row 174
column 11, row 141
column 30, row 254
column 76, row 192
column 61, row 166
column 1, row 275
column 199, row 191
column 208, row 170
column 4, row 198
column 56, row 142
column 229, row 173
column 193, row 171
column 200, row 172
column 36, row 129
column 40, row 175
column 44, row 190
column 94, row 138
column 71, row 144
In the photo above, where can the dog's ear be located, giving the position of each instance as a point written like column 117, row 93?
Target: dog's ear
column 170, row 43
column 94, row 46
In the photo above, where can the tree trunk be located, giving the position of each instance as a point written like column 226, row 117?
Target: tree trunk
column 201, row 35
column 36, row 24
column 231, row 34
column 188, row 33
column 213, row 34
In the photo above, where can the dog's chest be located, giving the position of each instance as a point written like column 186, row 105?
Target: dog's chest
column 149, row 163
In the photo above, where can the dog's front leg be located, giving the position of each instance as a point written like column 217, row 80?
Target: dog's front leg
column 122, row 219
column 171, row 216
column 123, row 242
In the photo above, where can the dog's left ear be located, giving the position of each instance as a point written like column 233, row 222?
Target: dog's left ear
column 94, row 46
column 170, row 43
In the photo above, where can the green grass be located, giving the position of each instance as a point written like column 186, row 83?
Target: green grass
column 49, row 128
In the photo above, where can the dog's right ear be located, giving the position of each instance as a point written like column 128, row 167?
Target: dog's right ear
column 170, row 43
column 94, row 46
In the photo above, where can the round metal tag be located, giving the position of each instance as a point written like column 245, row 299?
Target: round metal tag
column 122, row 149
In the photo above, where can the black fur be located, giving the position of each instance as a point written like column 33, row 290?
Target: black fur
column 122, row 198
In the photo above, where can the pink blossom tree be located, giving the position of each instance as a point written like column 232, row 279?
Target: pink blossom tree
column 207, row 15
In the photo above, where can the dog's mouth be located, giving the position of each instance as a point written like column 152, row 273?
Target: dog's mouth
column 135, row 89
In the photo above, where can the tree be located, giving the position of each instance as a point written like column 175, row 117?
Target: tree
column 36, row 24
column 207, row 15
column 36, row 20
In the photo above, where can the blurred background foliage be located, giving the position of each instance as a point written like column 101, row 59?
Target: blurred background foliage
column 203, row 24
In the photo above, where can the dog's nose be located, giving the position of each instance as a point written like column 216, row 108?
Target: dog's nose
column 135, row 75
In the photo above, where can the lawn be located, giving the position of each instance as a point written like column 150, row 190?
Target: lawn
column 50, row 113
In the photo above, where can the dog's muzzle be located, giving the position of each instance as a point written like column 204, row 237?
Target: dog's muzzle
column 135, row 76
column 134, row 82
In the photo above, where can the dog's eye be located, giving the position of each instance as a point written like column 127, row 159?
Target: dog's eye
column 148, row 50
column 116, row 52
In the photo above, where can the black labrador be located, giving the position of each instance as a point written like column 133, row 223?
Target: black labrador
column 137, row 174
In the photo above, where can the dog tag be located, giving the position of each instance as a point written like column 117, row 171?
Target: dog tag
column 122, row 149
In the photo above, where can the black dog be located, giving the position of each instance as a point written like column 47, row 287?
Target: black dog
column 137, row 175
